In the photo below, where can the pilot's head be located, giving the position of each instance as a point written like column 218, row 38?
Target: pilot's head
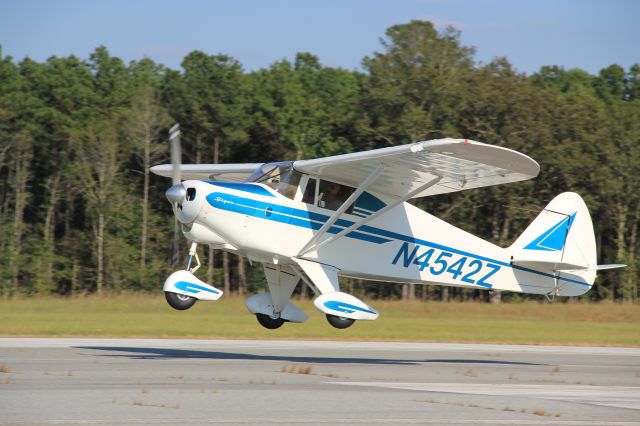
column 333, row 189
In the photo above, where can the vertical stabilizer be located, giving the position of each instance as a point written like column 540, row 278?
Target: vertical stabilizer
column 559, row 239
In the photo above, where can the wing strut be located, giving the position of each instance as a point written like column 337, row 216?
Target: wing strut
column 334, row 217
column 380, row 212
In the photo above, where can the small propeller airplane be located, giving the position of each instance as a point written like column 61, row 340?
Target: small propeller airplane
column 347, row 215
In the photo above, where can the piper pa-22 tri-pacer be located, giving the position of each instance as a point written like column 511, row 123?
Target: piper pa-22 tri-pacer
column 347, row 215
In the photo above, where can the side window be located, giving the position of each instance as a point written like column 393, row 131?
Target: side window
column 331, row 195
column 310, row 191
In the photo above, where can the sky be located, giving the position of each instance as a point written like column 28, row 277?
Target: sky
column 586, row 34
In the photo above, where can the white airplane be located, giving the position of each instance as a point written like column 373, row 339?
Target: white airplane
column 347, row 215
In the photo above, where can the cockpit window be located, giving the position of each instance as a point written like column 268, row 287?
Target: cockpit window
column 289, row 181
column 279, row 176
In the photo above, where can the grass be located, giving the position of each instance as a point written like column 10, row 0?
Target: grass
column 139, row 315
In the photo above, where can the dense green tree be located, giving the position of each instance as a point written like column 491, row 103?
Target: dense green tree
column 304, row 107
column 414, row 86
column 145, row 127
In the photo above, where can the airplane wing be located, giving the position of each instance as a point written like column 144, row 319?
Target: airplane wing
column 460, row 163
column 227, row 172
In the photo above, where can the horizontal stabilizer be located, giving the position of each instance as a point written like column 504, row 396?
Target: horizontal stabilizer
column 563, row 266
column 550, row 266
column 611, row 266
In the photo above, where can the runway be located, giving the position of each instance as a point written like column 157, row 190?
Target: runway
column 152, row 381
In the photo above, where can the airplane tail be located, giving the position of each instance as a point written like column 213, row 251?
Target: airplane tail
column 560, row 243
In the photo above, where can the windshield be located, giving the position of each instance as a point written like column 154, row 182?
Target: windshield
column 279, row 176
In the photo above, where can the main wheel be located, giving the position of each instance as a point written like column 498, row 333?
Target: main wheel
column 179, row 301
column 340, row 322
column 267, row 322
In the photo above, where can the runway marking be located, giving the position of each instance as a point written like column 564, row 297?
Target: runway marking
column 607, row 396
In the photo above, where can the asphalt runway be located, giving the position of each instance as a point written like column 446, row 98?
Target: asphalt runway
column 185, row 382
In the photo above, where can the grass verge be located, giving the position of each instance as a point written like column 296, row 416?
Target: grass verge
column 139, row 315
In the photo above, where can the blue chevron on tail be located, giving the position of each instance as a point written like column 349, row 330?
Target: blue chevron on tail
column 553, row 239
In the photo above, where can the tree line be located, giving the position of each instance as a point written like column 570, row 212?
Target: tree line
column 80, row 213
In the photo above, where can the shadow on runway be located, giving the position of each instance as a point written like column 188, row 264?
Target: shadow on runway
column 167, row 353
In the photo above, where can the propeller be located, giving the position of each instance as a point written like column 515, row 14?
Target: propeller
column 176, row 152
column 177, row 192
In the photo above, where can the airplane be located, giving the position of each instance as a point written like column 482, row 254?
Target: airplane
column 347, row 216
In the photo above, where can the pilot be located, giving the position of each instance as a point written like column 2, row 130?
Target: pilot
column 332, row 197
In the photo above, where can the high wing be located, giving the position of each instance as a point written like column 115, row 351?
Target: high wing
column 458, row 163
column 227, row 172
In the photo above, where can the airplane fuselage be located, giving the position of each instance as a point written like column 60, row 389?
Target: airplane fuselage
column 405, row 244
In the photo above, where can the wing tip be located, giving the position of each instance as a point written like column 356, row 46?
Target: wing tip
column 518, row 163
column 164, row 170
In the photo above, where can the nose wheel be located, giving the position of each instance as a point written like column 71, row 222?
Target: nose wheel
column 179, row 301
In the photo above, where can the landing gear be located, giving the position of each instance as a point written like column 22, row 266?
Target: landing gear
column 182, row 302
column 179, row 301
column 182, row 289
column 340, row 322
column 267, row 322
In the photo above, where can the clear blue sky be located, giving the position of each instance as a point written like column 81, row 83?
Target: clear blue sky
column 585, row 34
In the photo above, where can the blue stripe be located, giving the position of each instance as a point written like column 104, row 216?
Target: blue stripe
column 193, row 288
column 345, row 307
column 361, row 211
column 311, row 220
column 283, row 214
column 244, row 187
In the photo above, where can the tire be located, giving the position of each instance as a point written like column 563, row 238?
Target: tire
column 340, row 322
column 267, row 322
column 179, row 301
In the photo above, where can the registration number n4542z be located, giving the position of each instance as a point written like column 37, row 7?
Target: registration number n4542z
column 438, row 262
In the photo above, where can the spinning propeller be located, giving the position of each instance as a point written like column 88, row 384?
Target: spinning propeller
column 177, row 192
